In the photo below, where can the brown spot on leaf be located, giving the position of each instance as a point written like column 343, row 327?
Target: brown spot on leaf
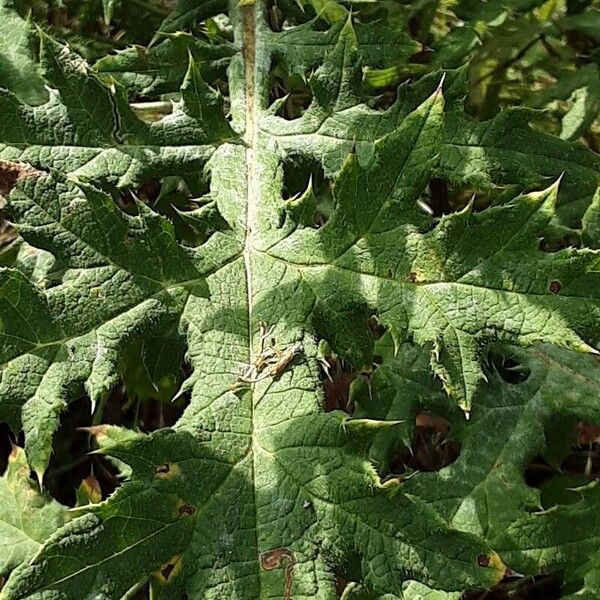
column 275, row 559
column 186, row 510
column 412, row 277
column 167, row 471
column 96, row 431
column 11, row 173
column 555, row 286
column 483, row 560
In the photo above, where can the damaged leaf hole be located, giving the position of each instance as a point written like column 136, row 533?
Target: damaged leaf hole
column 307, row 191
column 571, row 460
column 431, row 449
column 186, row 510
column 506, row 366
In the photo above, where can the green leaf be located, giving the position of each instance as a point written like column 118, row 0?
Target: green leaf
column 509, row 425
column 484, row 492
column 591, row 223
column 335, row 503
column 304, row 48
column 586, row 22
column 505, row 150
column 162, row 68
column 257, row 492
column 93, row 133
column 17, row 56
column 129, row 280
column 565, row 537
column 584, row 111
column 188, row 12
column 27, row 516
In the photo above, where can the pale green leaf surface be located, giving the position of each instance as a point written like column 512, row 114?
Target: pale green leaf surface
column 591, row 223
column 583, row 112
column 17, row 57
column 257, row 490
column 27, row 516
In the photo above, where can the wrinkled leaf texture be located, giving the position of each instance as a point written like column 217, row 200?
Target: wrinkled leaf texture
column 256, row 492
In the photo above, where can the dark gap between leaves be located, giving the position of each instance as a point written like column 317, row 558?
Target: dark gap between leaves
column 185, row 202
column 579, row 465
column 507, row 367
column 539, row 587
column 300, row 173
column 7, row 439
column 71, row 462
column 291, row 86
column 431, row 448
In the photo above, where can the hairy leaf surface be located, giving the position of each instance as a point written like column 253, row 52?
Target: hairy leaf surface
column 257, row 491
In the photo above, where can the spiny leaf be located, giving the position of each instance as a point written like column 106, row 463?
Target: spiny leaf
column 505, row 151
column 93, row 133
column 326, row 504
column 162, row 68
column 257, row 492
column 135, row 275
